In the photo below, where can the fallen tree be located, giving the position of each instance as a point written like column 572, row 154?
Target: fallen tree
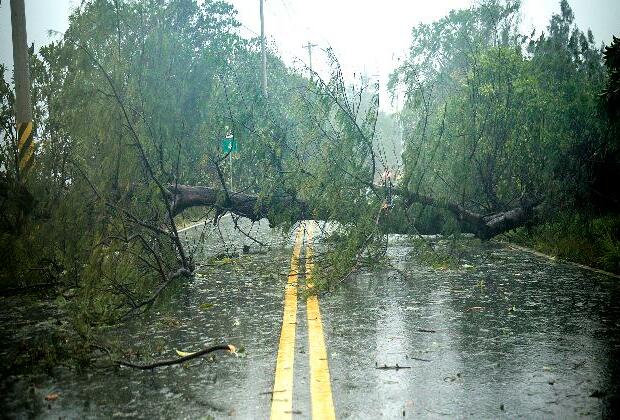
column 483, row 226
column 241, row 204
column 252, row 207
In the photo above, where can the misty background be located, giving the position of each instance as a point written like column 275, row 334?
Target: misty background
column 342, row 25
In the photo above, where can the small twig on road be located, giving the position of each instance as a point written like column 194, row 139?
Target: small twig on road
column 396, row 367
column 247, row 235
column 425, row 330
column 271, row 392
column 419, row 359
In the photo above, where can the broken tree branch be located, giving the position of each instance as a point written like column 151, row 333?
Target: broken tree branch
column 170, row 362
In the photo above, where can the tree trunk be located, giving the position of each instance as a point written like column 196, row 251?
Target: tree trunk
column 249, row 206
column 484, row 227
column 245, row 205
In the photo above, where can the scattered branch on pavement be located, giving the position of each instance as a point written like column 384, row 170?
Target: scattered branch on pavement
column 170, row 362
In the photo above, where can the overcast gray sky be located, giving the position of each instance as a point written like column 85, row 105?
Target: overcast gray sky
column 368, row 36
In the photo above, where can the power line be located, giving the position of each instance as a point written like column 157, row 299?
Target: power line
column 247, row 28
column 271, row 13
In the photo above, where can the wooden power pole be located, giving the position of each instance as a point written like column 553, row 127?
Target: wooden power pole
column 262, row 45
column 23, row 108
column 309, row 46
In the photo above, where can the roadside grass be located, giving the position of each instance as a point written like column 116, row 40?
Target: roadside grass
column 594, row 242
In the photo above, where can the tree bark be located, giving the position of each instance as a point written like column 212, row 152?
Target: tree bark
column 245, row 205
column 249, row 206
column 483, row 226
column 507, row 220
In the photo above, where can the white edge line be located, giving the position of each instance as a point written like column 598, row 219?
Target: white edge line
column 560, row 260
column 198, row 224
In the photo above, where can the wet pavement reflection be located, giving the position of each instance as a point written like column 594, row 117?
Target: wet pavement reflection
column 238, row 301
column 504, row 333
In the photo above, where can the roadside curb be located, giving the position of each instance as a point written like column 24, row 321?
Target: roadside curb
column 552, row 258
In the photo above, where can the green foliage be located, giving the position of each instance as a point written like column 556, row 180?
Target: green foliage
column 137, row 96
column 493, row 118
column 607, row 235
column 591, row 241
column 388, row 143
column 612, row 91
column 442, row 253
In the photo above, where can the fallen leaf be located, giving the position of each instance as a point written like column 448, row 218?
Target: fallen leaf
column 183, row 353
column 52, row 396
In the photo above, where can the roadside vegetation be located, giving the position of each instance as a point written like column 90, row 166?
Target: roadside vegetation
column 494, row 117
column 575, row 237
column 501, row 132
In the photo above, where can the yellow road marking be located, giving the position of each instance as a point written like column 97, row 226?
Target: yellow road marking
column 320, row 385
column 282, row 397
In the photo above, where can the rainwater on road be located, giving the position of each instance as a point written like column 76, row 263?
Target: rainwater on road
column 502, row 334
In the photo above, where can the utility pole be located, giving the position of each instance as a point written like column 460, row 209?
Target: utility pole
column 309, row 46
column 376, row 78
column 262, row 45
column 23, row 108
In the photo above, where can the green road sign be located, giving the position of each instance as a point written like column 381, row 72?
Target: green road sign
column 229, row 144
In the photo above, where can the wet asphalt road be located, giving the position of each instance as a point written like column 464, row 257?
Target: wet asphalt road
column 511, row 336
column 506, row 334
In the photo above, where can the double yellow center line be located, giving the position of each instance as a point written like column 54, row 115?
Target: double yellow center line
column 320, row 385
